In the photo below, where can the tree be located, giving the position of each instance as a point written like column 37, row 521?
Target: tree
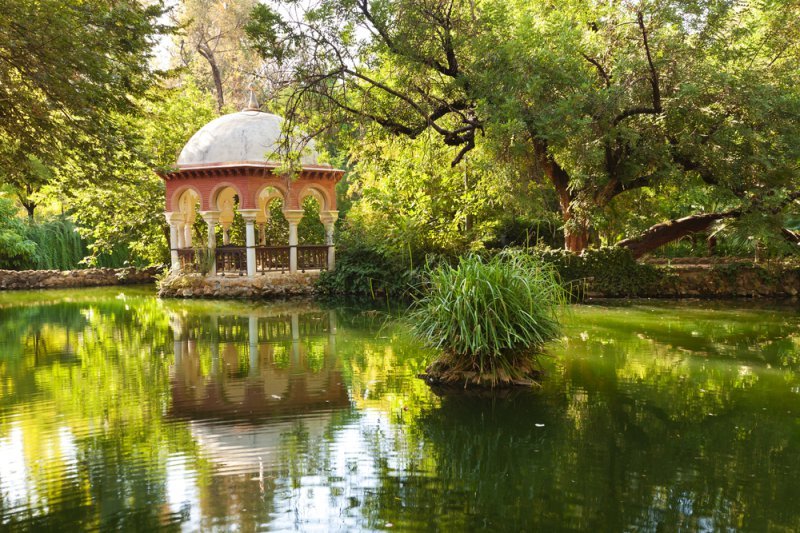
column 115, row 195
column 603, row 100
column 65, row 65
column 214, row 31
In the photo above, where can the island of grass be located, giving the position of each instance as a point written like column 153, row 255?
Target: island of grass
column 489, row 319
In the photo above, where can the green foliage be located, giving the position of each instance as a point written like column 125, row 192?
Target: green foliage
column 631, row 113
column 610, row 271
column 310, row 230
column 16, row 250
column 58, row 244
column 489, row 316
column 363, row 270
column 68, row 66
column 116, row 197
column 406, row 194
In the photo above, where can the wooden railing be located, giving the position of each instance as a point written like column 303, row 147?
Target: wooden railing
column 187, row 259
column 272, row 259
column 231, row 260
column 312, row 257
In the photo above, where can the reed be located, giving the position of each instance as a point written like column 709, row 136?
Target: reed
column 489, row 318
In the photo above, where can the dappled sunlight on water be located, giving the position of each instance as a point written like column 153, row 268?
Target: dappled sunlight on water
column 118, row 410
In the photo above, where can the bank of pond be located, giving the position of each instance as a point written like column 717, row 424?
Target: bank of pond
column 119, row 410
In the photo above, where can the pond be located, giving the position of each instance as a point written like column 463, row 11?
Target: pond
column 119, row 410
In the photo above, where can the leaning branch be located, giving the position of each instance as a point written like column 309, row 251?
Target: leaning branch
column 672, row 230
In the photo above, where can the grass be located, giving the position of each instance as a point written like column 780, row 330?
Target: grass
column 488, row 317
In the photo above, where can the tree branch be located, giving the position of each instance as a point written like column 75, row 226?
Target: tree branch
column 604, row 75
column 656, row 107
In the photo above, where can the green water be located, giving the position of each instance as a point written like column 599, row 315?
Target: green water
column 121, row 411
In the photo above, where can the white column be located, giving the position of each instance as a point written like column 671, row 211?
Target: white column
column 173, row 218
column 328, row 219
column 211, row 218
column 292, row 246
column 187, row 234
column 249, row 216
column 214, row 345
column 295, row 338
column 332, row 333
column 293, row 217
column 181, row 234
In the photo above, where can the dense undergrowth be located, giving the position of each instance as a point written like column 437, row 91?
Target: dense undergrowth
column 363, row 270
column 50, row 244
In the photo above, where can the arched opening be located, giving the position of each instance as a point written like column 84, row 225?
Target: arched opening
column 230, row 225
column 311, row 231
column 273, row 229
column 188, row 207
column 272, row 254
column 313, row 250
column 230, row 256
column 189, row 228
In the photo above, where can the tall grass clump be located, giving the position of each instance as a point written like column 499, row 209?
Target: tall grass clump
column 489, row 318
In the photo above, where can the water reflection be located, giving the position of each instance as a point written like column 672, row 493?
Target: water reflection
column 255, row 366
column 120, row 411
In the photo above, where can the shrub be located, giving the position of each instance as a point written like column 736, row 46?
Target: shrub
column 612, row 271
column 488, row 316
column 16, row 249
column 364, row 271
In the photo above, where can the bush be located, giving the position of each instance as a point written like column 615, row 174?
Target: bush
column 16, row 249
column 612, row 271
column 489, row 317
column 365, row 271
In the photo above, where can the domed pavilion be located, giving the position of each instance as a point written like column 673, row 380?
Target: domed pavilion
column 231, row 165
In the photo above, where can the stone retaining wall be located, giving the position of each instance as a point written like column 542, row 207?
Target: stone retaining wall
column 277, row 285
column 90, row 277
column 723, row 280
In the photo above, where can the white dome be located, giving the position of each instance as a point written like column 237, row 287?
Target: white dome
column 245, row 137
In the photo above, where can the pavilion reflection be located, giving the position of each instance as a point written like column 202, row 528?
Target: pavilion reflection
column 255, row 365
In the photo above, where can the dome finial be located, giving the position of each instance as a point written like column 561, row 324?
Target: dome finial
column 252, row 103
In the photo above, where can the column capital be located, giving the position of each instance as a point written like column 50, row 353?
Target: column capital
column 293, row 216
column 211, row 217
column 173, row 217
column 249, row 215
column 328, row 217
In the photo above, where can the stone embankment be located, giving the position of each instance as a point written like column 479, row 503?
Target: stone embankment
column 724, row 279
column 63, row 279
column 273, row 285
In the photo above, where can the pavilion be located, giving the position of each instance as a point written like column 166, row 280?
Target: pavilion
column 231, row 164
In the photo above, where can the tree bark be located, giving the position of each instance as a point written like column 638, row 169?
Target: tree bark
column 672, row 230
column 576, row 232
column 208, row 54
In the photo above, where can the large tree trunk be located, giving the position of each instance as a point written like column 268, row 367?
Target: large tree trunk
column 576, row 232
column 576, row 240
column 666, row 232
